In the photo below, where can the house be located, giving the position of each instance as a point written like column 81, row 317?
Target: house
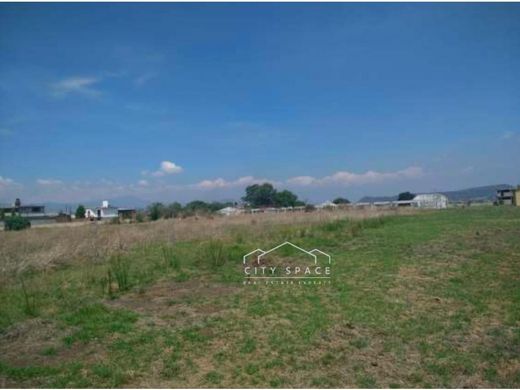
column 25, row 210
column 507, row 196
column 126, row 214
column 431, row 201
column 90, row 214
column 107, row 211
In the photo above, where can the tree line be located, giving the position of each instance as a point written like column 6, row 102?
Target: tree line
column 159, row 210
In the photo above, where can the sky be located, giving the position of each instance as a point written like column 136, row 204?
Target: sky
column 177, row 101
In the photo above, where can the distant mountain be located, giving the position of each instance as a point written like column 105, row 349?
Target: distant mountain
column 484, row 193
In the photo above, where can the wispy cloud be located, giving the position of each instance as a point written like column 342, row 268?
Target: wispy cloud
column 507, row 135
column 346, row 178
column 166, row 168
column 76, row 85
column 6, row 182
column 49, row 182
column 144, row 78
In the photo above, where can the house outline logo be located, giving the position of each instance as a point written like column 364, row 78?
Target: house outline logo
column 311, row 253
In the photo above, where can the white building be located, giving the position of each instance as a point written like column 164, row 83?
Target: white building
column 229, row 211
column 90, row 214
column 106, row 211
column 431, row 201
column 326, row 204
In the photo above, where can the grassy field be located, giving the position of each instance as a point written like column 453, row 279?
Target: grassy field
column 430, row 299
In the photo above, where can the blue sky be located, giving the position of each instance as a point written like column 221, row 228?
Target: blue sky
column 183, row 101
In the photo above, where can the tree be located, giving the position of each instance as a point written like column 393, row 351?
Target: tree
column 156, row 211
column 406, row 196
column 341, row 201
column 260, row 195
column 285, row 198
column 80, row 212
column 265, row 195
column 16, row 222
column 173, row 210
column 197, row 206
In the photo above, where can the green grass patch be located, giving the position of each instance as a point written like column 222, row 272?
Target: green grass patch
column 96, row 321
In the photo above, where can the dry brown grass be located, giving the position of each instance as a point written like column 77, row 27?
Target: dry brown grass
column 51, row 246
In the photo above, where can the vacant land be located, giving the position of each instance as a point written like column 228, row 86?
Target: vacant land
column 430, row 299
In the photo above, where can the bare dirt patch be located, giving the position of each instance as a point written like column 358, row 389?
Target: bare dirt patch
column 39, row 342
column 169, row 302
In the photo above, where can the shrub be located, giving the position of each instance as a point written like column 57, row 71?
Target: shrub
column 119, row 269
column 140, row 217
column 309, row 208
column 216, row 252
column 170, row 257
column 16, row 222
column 29, row 301
column 155, row 211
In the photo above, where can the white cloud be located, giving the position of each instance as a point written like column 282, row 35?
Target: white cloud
column 221, row 183
column 216, row 183
column 79, row 85
column 143, row 183
column 339, row 178
column 348, row 178
column 49, row 182
column 166, row 168
column 9, row 188
column 6, row 182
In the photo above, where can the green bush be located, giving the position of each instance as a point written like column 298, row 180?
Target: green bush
column 170, row 257
column 80, row 212
column 16, row 222
column 119, row 269
column 216, row 252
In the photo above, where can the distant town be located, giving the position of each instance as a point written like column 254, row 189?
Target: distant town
column 262, row 198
